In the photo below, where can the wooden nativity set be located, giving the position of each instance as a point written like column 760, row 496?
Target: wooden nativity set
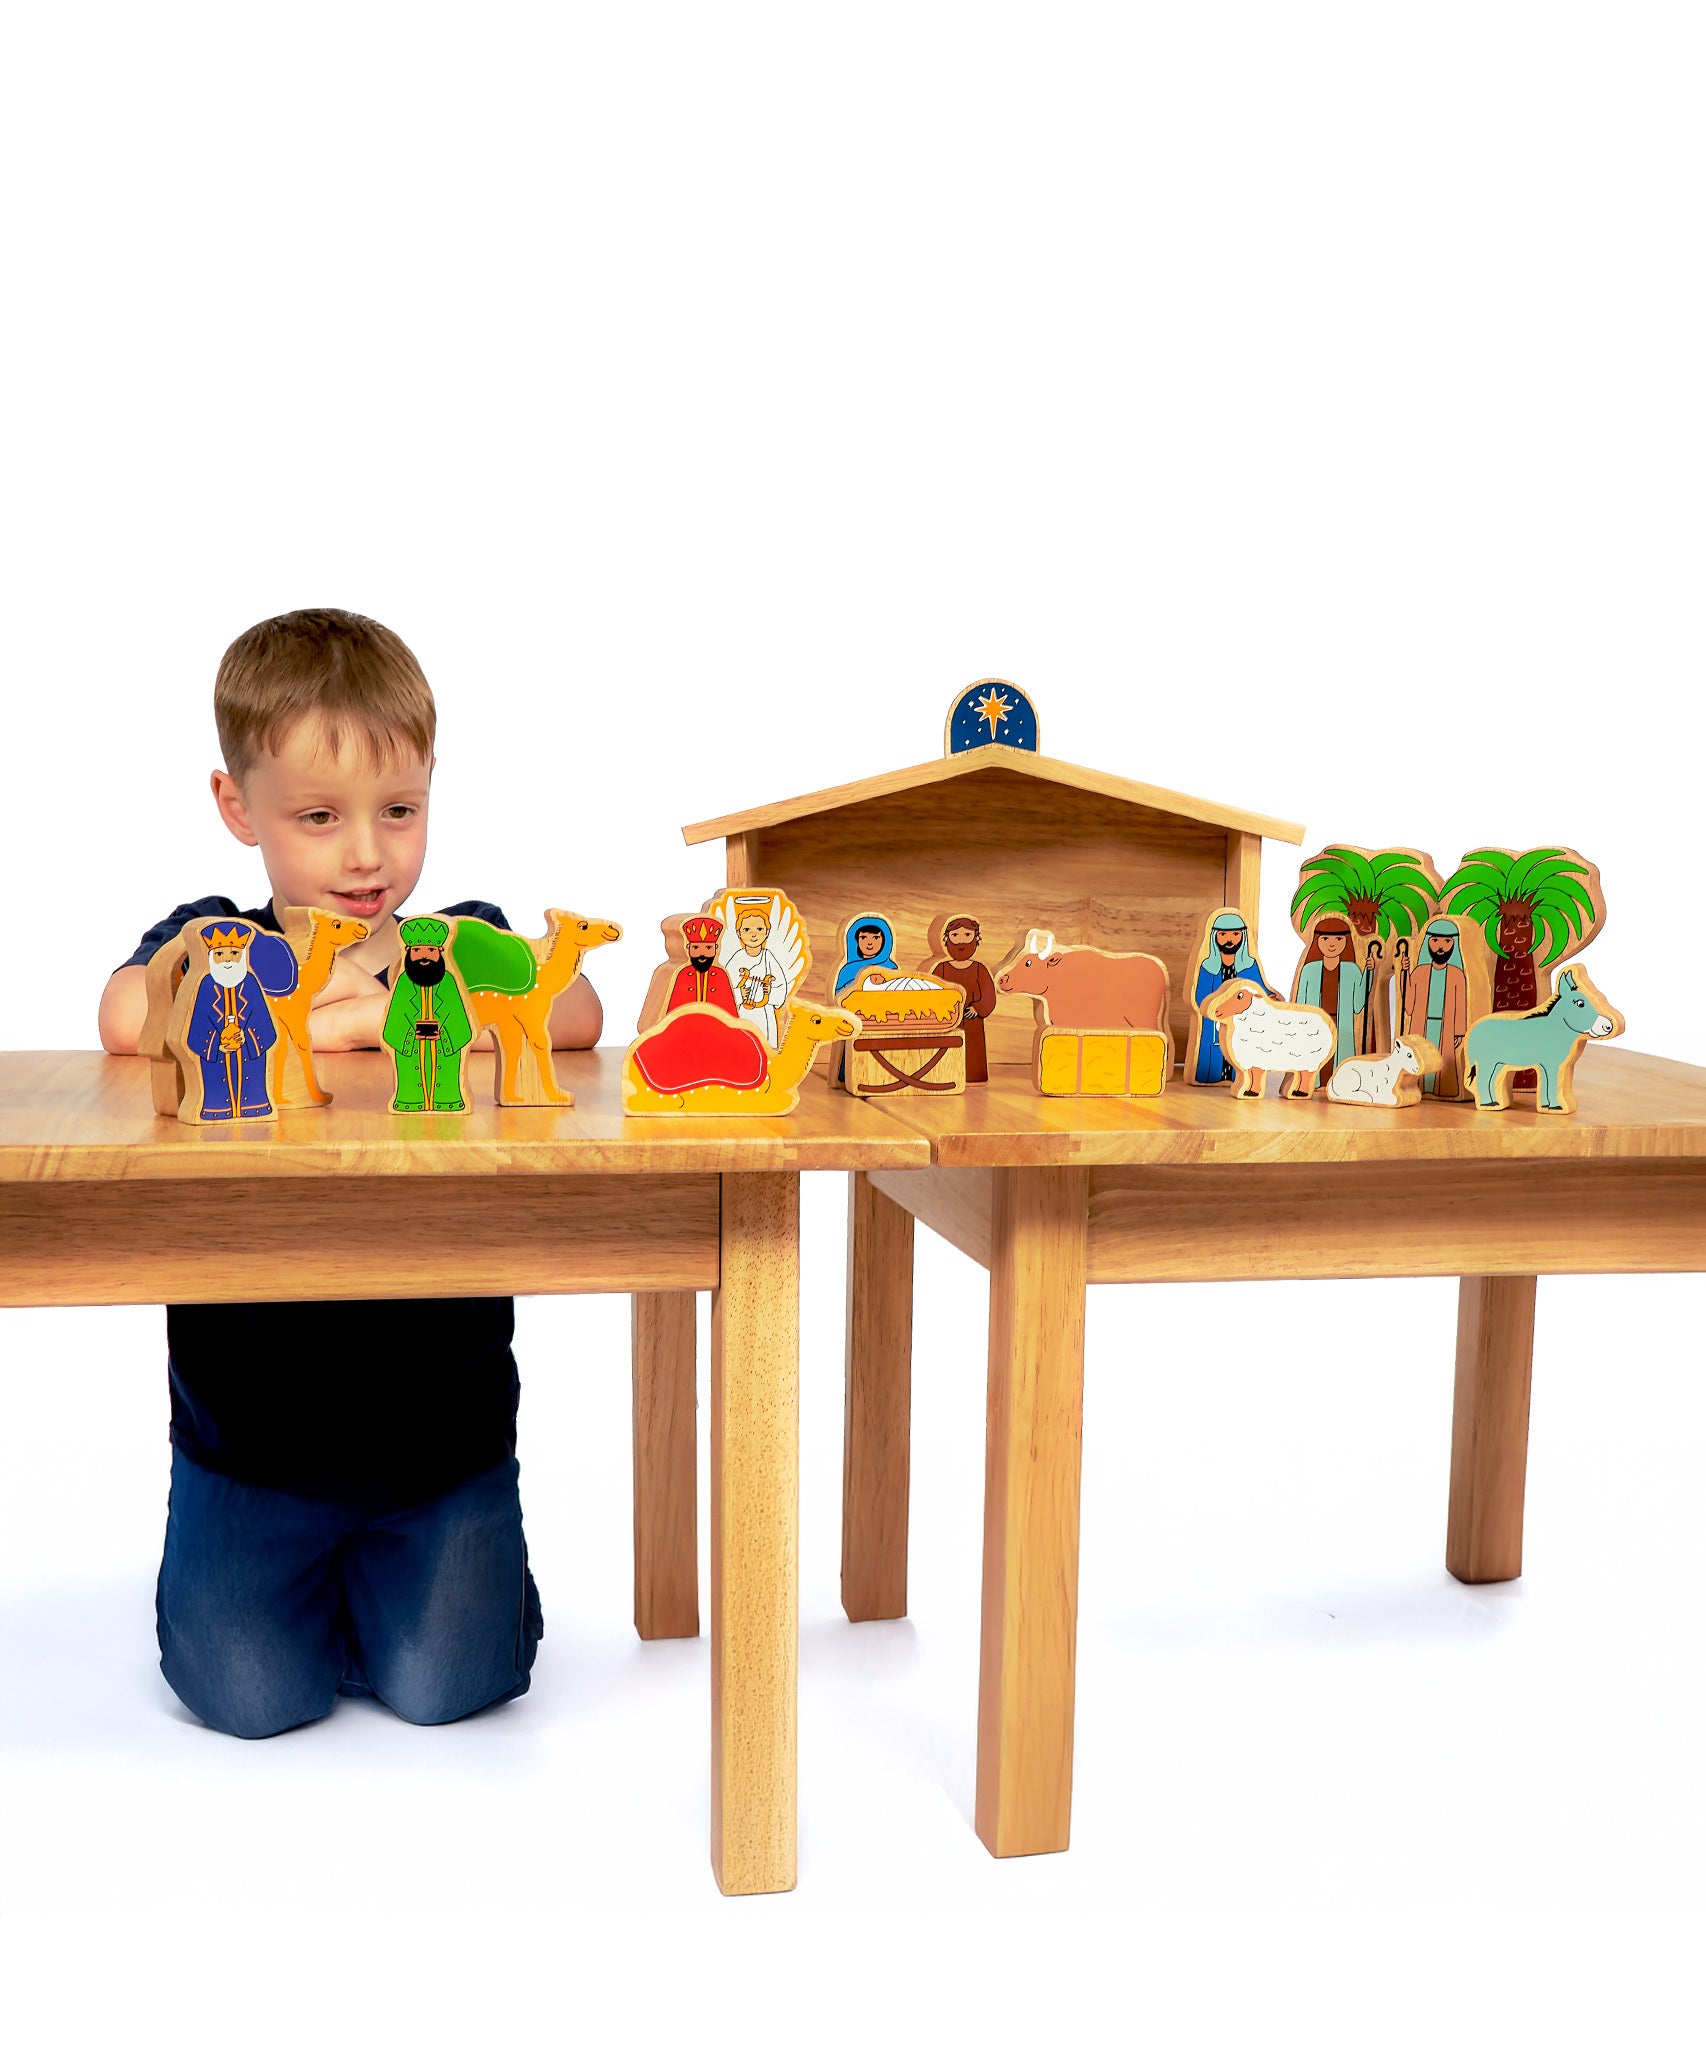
column 1122, row 919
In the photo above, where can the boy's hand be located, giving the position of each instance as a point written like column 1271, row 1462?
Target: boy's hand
column 347, row 982
column 354, row 1025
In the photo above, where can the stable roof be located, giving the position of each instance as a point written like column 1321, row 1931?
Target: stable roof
column 1008, row 761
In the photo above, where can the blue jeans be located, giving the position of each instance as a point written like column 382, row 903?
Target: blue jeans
column 270, row 1605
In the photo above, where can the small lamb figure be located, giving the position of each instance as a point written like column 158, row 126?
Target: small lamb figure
column 1261, row 1036
column 1393, row 1081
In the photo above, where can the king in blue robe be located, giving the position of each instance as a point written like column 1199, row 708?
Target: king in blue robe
column 231, row 1029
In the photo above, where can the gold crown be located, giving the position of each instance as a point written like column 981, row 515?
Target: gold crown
column 236, row 936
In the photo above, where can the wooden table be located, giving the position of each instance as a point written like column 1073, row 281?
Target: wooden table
column 1051, row 1195
column 102, row 1201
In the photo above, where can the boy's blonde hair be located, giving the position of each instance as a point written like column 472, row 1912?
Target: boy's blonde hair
column 352, row 674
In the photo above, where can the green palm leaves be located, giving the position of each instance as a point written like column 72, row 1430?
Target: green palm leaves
column 1388, row 892
column 1549, row 883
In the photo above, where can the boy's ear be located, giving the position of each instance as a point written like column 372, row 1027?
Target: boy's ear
column 235, row 812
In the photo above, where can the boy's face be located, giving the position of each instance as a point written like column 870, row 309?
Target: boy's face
column 332, row 829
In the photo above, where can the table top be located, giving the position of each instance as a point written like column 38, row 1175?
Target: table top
column 87, row 1116
column 1630, row 1106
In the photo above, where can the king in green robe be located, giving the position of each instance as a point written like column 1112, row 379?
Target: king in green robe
column 426, row 1021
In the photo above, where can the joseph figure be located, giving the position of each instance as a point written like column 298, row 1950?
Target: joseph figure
column 961, row 937
column 1436, row 1004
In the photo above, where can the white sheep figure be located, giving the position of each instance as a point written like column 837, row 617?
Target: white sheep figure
column 1260, row 1036
column 1393, row 1081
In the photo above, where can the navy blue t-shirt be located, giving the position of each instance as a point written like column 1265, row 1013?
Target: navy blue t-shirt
column 378, row 1403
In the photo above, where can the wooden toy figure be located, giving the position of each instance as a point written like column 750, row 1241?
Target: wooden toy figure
column 1092, row 1007
column 867, row 942
column 993, row 713
column 1392, row 1080
column 512, row 983
column 690, row 972
column 1433, row 1001
column 315, row 939
column 696, row 1062
column 1386, row 898
column 222, row 1027
column 426, row 1021
column 1329, row 979
column 954, row 940
column 1224, row 955
column 1536, row 910
column 909, row 1040
column 1549, row 1039
column 765, row 954
column 1262, row 1036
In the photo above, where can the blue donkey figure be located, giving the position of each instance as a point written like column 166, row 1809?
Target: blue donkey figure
column 1548, row 1039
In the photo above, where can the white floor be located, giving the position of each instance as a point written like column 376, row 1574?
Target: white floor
column 1315, row 1778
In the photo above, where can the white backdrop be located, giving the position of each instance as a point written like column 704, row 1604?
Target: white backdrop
column 1305, row 405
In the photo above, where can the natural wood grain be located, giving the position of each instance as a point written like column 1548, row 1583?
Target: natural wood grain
column 1489, row 1428
column 1628, row 1106
column 666, row 1485
column 994, row 762
column 877, row 1439
column 1368, row 1221
column 353, row 1239
column 755, row 1348
column 1030, row 1511
column 82, row 1116
column 1244, row 880
column 739, row 869
column 1014, row 853
column 953, row 1204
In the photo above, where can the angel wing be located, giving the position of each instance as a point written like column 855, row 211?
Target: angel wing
column 788, row 942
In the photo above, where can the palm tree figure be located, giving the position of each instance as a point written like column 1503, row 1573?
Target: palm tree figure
column 1378, row 893
column 1534, row 908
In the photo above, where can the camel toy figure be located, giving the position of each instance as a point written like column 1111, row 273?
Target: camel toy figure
column 1260, row 1035
column 1548, row 1041
column 512, row 983
column 698, row 1062
column 315, row 939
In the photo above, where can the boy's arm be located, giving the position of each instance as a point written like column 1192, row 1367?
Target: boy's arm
column 577, row 1016
column 124, row 1006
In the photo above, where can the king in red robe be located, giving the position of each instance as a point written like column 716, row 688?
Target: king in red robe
column 702, row 980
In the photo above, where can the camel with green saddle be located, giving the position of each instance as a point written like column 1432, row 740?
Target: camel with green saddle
column 512, row 983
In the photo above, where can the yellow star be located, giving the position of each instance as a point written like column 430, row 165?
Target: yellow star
column 993, row 708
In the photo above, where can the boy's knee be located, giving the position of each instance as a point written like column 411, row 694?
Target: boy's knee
column 430, row 1692
column 241, row 1697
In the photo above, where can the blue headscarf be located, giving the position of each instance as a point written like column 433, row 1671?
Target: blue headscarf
column 1438, row 929
column 856, row 962
column 1229, row 921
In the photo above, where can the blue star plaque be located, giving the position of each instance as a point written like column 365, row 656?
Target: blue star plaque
column 992, row 713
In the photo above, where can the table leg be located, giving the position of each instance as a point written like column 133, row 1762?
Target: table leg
column 755, row 1447
column 1030, row 1508
column 877, row 1440
column 666, row 1482
column 1489, row 1428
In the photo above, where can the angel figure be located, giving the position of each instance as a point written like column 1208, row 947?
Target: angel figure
column 765, row 954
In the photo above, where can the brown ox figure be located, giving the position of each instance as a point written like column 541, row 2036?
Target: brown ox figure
column 1081, row 988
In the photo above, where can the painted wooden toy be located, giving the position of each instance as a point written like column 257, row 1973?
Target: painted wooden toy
column 1329, row 978
column 1391, row 1080
column 1090, row 1004
column 909, row 1039
column 954, row 941
column 698, row 1062
column 222, row 1026
column 690, row 972
column 766, row 954
column 315, row 938
column 427, row 1026
column 1535, row 909
column 1223, row 955
column 991, row 713
column 1548, row 1040
column 1439, row 988
column 511, row 983
column 1261, row 1036
column 1385, row 897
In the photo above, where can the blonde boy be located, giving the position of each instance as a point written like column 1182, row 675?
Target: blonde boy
column 344, row 1513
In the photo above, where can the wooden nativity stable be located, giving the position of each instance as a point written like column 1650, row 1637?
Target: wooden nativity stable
column 1018, row 841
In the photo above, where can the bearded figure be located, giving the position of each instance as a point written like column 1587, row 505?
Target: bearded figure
column 1436, row 1003
column 426, row 1021
column 231, row 1029
column 702, row 980
column 961, row 937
